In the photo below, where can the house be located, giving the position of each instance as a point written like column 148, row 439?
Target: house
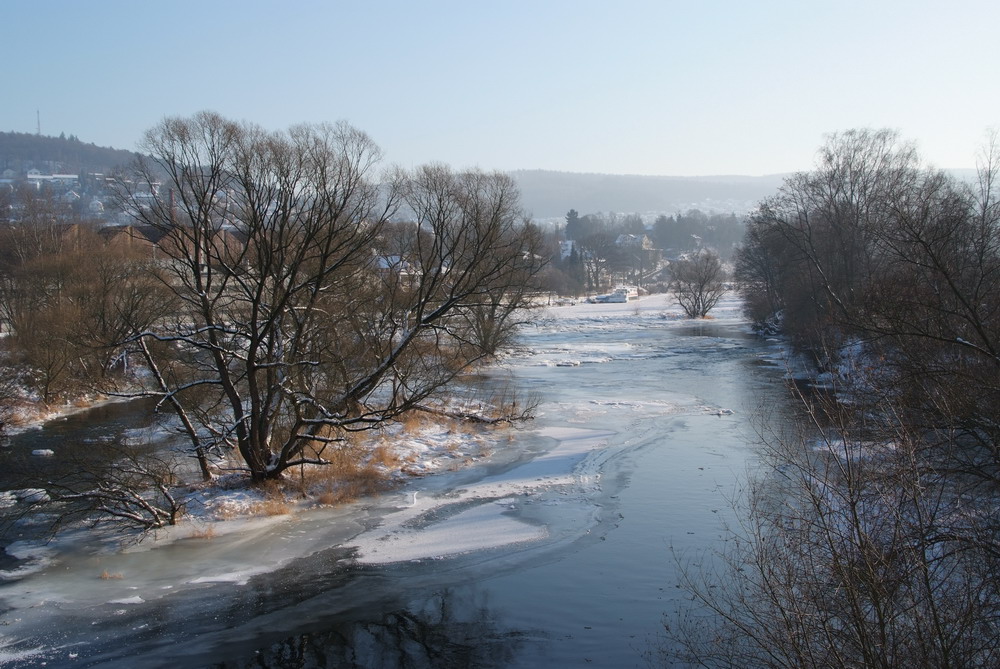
column 65, row 179
column 222, row 246
column 128, row 239
column 634, row 242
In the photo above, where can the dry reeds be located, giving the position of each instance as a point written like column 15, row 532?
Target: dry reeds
column 384, row 455
column 412, row 421
column 207, row 532
column 275, row 502
column 271, row 507
column 354, row 468
column 353, row 473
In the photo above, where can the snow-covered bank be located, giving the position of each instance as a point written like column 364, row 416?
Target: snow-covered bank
column 229, row 511
column 660, row 305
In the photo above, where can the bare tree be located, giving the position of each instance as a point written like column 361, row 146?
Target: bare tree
column 69, row 300
column 826, row 226
column 129, row 487
column 698, row 282
column 851, row 552
column 9, row 397
column 132, row 487
column 597, row 254
column 870, row 540
column 764, row 266
column 299, row 319
column 871, row 248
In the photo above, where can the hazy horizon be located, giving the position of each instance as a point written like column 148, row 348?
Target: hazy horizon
column 641, row 87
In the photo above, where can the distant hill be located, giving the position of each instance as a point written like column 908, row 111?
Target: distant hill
column 21, row 152
column 547, row 194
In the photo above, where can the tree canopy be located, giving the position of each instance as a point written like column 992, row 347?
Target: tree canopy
column 318, row 295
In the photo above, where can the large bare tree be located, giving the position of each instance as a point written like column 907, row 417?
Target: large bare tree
column 698, row 282
column 305, row 314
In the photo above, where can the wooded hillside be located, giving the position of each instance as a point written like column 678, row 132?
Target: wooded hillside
column 21, row 152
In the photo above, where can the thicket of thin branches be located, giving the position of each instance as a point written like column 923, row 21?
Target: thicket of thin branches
column 870, row 539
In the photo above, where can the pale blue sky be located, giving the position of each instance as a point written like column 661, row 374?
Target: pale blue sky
column 623, row 86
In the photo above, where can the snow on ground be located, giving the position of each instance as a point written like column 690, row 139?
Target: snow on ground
column 390, row 456
column 661, row 305
column 10, row 654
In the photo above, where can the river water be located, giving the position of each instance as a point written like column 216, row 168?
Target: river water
column 556, row 552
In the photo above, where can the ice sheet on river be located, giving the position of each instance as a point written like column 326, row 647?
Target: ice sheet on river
column 482, row 516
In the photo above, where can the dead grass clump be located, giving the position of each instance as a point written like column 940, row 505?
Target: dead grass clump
column 340, row 495
column 412, row 422
column 109, row 576
column 364, row 481
column 344, row 460
column 367, row 480
column 271, row 507
column 385, row 456
column 354, row 468
column 275, row 502
column 329, row 498
column 207, row 532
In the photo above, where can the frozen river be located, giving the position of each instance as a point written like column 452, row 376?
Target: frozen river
column 555, row 552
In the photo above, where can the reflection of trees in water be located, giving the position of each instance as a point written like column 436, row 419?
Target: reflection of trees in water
column 446, row 630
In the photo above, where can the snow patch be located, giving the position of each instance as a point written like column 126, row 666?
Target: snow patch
column 9, row 654
column 240, row 577
column 477, row 529
column 30, row 495
column 479, row 517
column 35, row 557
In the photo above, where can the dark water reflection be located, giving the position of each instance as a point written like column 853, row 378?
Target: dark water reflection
column 444, row 631
column 73, row 439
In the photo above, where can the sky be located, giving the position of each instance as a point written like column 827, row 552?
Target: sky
column 658, row 87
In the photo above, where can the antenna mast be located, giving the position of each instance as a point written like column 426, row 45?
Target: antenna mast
column 38, row 120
